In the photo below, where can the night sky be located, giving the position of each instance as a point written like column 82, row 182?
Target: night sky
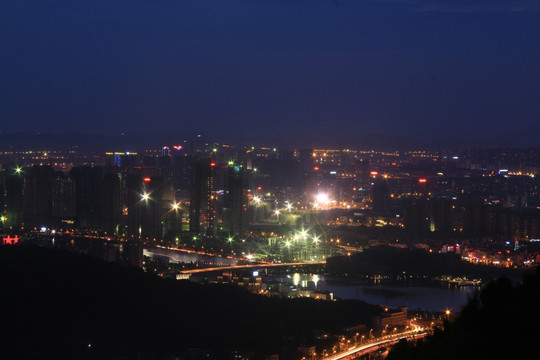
column 467, row 69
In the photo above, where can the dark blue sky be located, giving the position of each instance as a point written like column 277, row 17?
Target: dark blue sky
column 339, row 68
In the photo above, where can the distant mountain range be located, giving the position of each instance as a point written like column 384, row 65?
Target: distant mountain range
column 137, row 142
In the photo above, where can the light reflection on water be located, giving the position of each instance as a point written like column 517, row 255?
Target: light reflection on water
column 184, row 257
column 430, row 298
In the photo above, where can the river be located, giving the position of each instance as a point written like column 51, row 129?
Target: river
column 433, row 297
column 413, row 294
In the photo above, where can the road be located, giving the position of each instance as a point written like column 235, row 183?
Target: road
column 357, row 350
column 249, row 266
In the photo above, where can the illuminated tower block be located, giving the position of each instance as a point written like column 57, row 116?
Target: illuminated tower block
column 202, row 212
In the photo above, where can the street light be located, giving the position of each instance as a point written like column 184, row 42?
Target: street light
column 447, row 313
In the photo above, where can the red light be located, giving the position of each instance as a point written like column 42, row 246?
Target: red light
column 422, row 181
column 259, row 188
column 10, row 240
column 374, row 173
column 394, row 164
column 316, row 168
column 147, row 179
column 212, row 164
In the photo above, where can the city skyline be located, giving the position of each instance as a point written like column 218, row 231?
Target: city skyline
column 272, row 179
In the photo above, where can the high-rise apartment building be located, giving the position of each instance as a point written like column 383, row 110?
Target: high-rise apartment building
column 202, row 211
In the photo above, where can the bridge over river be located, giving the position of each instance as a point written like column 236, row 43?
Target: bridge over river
column 251, row 266
column 214, row 262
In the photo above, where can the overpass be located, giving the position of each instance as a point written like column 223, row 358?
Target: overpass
column 251, row 266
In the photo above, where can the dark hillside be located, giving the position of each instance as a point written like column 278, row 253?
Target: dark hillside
column 501, row 322
column 61, row 305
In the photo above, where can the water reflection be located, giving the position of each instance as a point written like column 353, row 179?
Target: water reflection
column 176, row 256
column 304, row 280
column 435, row 297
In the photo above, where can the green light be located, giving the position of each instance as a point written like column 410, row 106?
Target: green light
column 230, row 239
column 214, row 149
column 231, row 163
column 18, row 170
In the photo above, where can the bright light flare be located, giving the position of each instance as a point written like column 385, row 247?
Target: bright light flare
column 145, row 197
column 175, row 206
column 257, row 199
column 322, row 198
column 277, row 212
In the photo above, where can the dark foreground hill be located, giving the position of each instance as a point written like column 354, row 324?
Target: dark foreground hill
column 501, row 322
column 62, row 305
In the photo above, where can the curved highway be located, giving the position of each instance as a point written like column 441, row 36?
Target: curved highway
column 357, row 350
